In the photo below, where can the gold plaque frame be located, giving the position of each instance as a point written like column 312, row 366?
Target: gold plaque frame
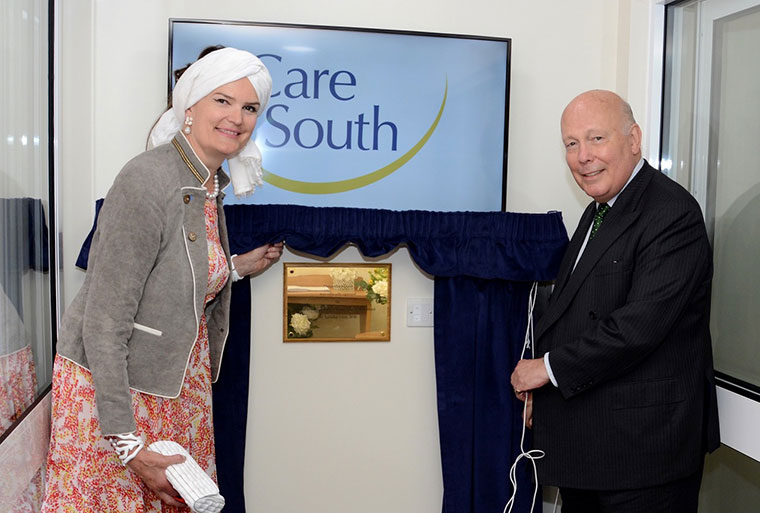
column 334, row 302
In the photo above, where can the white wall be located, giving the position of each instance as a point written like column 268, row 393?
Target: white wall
column 342, row 427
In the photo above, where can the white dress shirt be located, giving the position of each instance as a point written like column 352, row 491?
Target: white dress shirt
column 611, row 202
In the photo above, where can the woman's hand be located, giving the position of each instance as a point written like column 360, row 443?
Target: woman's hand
column 151, row 467
column 257, row 259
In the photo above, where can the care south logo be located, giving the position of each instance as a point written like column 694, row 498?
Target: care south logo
column 335, row 129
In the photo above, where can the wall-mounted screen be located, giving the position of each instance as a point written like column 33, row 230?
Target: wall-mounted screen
column 372, row 118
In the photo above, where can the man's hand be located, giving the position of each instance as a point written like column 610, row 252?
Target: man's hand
column 529, row 375
column 528, row 410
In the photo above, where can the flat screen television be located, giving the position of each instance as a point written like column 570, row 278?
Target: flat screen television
column 371, row 118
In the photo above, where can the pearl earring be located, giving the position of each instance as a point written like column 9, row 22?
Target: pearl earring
column 188, row 124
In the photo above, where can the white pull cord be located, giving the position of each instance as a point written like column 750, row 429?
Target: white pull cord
column 534, row 454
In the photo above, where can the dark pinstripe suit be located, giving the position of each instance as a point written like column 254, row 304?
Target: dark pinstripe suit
column 629, row 342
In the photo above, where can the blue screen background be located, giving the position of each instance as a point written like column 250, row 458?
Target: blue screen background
column 400, row 79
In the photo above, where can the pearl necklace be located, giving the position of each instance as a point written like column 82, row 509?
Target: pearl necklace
column 213, row 195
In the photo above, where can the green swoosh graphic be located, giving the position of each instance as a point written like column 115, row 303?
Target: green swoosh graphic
column 359, row 181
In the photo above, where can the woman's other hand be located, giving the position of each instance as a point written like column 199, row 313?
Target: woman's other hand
column 151, row 467
column 257, row 259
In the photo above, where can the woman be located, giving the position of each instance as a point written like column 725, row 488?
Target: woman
column 143, row 339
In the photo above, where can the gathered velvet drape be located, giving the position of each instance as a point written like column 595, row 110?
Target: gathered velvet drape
column 484, row 264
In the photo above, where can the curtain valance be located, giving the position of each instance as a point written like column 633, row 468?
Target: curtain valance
column 503, row 245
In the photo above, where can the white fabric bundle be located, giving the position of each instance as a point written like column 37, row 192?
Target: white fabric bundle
column 216, row 69
column 195, row 486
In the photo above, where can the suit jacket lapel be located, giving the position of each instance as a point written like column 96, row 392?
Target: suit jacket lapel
column 571, row 253
column 616, row 222
column 615, row 225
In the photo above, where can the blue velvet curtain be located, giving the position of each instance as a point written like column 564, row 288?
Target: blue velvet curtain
column 484, row 264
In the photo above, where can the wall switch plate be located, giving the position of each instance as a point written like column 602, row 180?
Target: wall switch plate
column 419, row 311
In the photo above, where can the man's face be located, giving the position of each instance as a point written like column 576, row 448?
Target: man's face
column 601, row 148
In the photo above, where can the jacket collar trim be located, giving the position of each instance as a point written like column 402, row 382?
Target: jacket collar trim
column 187, row 161
column 185, row 150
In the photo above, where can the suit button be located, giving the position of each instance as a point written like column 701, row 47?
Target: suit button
column 192, row 236
column 592, row 315
column 186, row 198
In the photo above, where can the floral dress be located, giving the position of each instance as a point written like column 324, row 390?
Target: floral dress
column 84, row 474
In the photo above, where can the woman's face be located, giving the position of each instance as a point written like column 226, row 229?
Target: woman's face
column 223, row 122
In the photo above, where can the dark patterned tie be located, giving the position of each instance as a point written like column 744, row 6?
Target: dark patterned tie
column 598, row 217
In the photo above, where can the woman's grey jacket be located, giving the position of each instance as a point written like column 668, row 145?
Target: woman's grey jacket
column 135, row 320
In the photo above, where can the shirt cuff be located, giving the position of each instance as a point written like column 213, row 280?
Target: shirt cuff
column 549, row 370
column 233, row 272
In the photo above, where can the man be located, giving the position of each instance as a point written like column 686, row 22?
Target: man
column 623, row 396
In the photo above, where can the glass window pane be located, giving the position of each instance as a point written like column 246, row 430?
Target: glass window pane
column 25, row 302
column 679, row 90
column 734, row 195
column 711, row 125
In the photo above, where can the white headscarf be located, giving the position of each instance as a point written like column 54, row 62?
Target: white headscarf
column 216, row 69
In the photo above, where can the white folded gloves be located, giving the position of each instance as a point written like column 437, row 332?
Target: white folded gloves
column 195, row 486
